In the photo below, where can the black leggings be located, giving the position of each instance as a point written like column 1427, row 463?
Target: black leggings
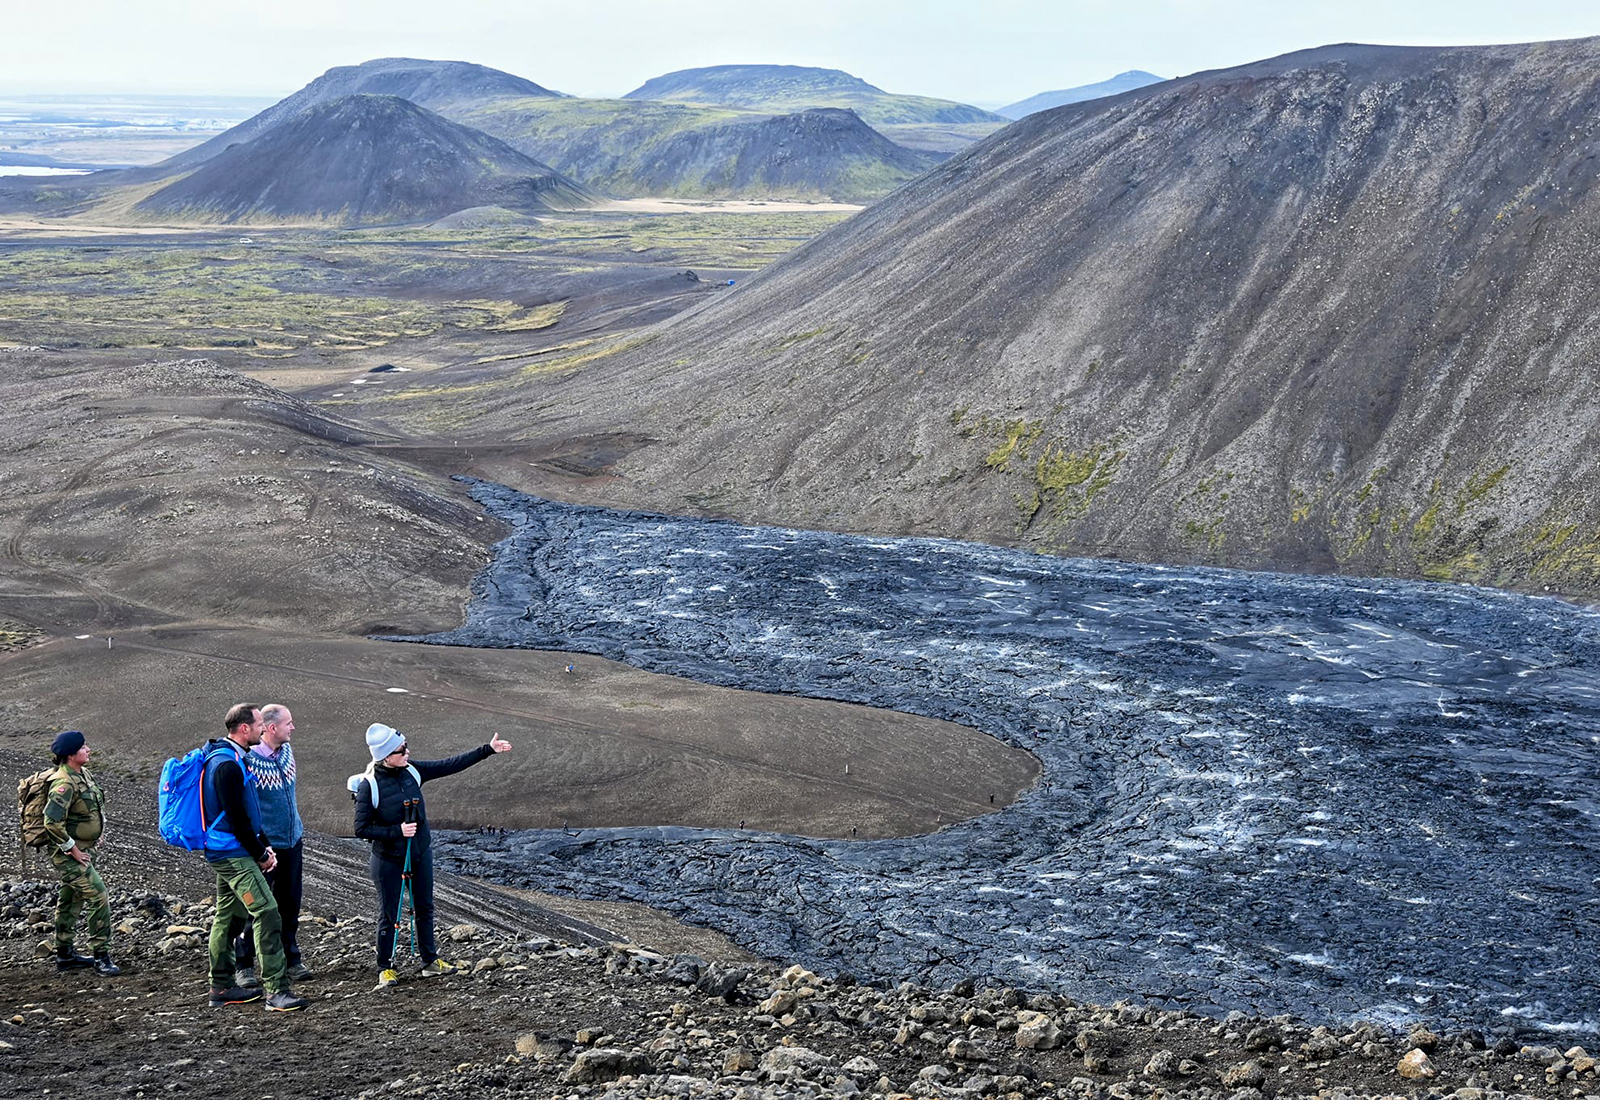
column 386, row 877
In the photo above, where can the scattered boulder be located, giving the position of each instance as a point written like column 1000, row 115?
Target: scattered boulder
column 1249, row 1074
column 800, row 1061
column 1417, row 1066
column 1036, row 1031
column 722, row 983
column 1264, row 1037
column 1422, row 1039
column 541, row 1047
column 780, row 1002
column 1163, row 1063
column 686, row 969
column 604, row 1064
column 966, row 1050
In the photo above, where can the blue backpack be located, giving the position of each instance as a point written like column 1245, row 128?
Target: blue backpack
column 181, row 802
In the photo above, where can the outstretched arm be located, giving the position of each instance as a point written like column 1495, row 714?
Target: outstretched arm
column 438, row 769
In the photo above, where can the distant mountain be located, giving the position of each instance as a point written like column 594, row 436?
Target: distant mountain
column 788, row 88
column 638, row 147
column 826, row 153
column 620, row 147
column 1330, row 311
column 440, row 86
column 362, row 159
column 1122, row 82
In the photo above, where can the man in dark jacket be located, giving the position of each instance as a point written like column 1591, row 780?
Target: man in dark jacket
column 391, row 814
column 240, row 856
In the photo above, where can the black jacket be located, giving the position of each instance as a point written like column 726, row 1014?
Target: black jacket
column 381, row 825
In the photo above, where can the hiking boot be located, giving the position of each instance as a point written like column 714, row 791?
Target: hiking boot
column 236, row 995
column 245, row 978
column 285, row 1001
column 437, row 967
column 68, row 959
column 386, row 978
column 299, row 972
column 104, row 966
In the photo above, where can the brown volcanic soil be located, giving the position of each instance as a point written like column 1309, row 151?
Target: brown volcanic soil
column 231, row 539
column 604, row 745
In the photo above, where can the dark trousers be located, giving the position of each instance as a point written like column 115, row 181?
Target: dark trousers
column 285, row 880
column 386, row 877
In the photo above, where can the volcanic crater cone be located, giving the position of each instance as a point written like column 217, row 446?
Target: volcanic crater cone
column 824, row 152
column 362, row 159
column 1333, row 310
column 436, row 85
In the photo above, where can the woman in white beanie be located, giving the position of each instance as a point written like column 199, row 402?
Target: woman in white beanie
column 391, row 814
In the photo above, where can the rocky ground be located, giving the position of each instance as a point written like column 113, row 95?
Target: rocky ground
column 532, row 1015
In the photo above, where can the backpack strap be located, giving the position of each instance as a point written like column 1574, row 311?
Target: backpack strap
column 370, row 775
column 204, row 824
column 353, row 784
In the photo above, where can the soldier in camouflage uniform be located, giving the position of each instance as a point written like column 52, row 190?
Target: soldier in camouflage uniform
column 74, row 818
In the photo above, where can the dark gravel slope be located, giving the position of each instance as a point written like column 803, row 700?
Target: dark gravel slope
column 1328, row 311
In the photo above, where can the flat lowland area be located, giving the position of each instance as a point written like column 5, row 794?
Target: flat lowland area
column 602, row 745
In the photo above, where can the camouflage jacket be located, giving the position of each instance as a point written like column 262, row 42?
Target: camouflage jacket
column 75, row 812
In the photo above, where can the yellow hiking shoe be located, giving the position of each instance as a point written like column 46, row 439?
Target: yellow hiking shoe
column 437, row 967
column 386, row 978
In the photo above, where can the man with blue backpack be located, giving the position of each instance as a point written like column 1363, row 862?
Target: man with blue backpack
column 271, row 765
column 240, row 857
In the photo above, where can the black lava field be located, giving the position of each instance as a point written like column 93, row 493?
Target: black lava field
column 1328, row 797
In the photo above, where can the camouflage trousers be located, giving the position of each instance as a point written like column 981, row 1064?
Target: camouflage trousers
column 242, row 891
column 81, row 888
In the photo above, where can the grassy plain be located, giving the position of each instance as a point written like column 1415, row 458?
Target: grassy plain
column 295, row 289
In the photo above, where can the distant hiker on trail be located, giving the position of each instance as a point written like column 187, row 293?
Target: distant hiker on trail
column 271, row 765
column 390, row 813
column 74, row 820
column 241, row 858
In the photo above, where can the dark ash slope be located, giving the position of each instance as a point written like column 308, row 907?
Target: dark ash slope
column 363, row 158
column 1334, row 310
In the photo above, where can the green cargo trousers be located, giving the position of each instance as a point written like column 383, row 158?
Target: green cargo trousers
column 242, row 890
column 81, row 888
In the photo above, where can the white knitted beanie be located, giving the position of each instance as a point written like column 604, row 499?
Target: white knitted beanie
column 382, row 740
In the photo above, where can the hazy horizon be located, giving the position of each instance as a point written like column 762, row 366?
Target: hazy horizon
column 1004, row 52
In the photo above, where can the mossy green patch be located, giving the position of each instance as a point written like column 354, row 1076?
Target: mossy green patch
column 1479, row 486
column 1018, row 436
column 1465, row 568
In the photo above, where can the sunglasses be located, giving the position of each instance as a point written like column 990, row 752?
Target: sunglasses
column 400, row 750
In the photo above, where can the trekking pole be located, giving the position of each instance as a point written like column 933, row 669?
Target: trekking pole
column 408, row 895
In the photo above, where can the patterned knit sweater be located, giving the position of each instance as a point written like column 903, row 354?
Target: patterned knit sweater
column 280, row 813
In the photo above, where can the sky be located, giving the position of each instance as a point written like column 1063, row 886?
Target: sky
column 988, row 52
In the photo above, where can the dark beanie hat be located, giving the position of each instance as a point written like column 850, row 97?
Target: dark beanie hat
column 66, row 743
